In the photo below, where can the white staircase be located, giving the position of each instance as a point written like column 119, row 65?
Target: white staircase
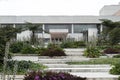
column 91, row 72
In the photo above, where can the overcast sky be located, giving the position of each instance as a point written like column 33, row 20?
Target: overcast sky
column 53, row 7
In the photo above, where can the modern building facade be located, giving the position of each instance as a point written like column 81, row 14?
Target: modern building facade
column 110, row 10
column 59, row 28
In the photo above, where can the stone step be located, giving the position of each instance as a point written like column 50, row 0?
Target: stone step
column 74, row 52
column 74, row 49
column 59, row 61
column 75, row 66
column 61, row 57
column 68, row 53
column 96, row 75
column 56, row 57
column 51, row 62
column 79, row 69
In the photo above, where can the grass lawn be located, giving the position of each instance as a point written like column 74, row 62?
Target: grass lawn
column 97, row 61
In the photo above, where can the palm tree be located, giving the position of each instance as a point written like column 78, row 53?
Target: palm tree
column 33, row 28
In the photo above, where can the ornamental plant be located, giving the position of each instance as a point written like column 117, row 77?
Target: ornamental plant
column 52, row 51
column 111, row 51
column 51, row 76
column 91, row 50
column 115, row 69
column 16, row 47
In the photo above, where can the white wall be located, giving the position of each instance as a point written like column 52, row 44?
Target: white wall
column 92, row 32
column 25, row 35
column 77, row 36
column 59, row 30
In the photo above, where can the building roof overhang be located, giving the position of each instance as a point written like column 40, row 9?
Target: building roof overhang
column 56, row 19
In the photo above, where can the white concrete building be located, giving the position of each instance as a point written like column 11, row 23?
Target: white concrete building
column 109, row 10
column 60, row 28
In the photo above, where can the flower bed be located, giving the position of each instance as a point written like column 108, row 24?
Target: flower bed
column 51, row 76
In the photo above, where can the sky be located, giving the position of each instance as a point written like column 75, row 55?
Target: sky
column 53, row 7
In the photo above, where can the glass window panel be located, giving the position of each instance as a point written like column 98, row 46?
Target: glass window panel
column 5, row 25
column 78, row 28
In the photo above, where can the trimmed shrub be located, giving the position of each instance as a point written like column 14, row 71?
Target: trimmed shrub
column 92, row 53
column 51, row 76
column 111, row 51
column 53, row 51
column 16, row 47
column 115, row 69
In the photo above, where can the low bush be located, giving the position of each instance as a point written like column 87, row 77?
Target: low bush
column 53, row 51
column 111, row 51
column 115, row 69
column 92, row 52
column 16, row 47
column 28, row 49
column 23, row 66
column 51, row 76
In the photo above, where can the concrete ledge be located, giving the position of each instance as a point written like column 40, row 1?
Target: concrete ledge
column 97, row 75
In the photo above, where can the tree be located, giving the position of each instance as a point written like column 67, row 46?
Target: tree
column 7, row 34
column 111, row 31
column 114, row 36
column 33, row 28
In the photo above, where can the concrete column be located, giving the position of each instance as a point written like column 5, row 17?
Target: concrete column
column 14, row 25
column 43, row 27
column 101, row 28
column 72, row 29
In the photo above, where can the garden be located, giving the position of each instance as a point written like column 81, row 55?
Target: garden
column 104, row 50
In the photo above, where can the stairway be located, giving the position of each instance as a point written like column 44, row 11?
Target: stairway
column 92, row 72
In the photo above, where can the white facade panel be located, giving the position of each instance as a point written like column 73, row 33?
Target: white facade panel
column 92, row 32
column 25, row 35
column 59, row 30
column 76, row 36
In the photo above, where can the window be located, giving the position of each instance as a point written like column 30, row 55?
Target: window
column 79, row 28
